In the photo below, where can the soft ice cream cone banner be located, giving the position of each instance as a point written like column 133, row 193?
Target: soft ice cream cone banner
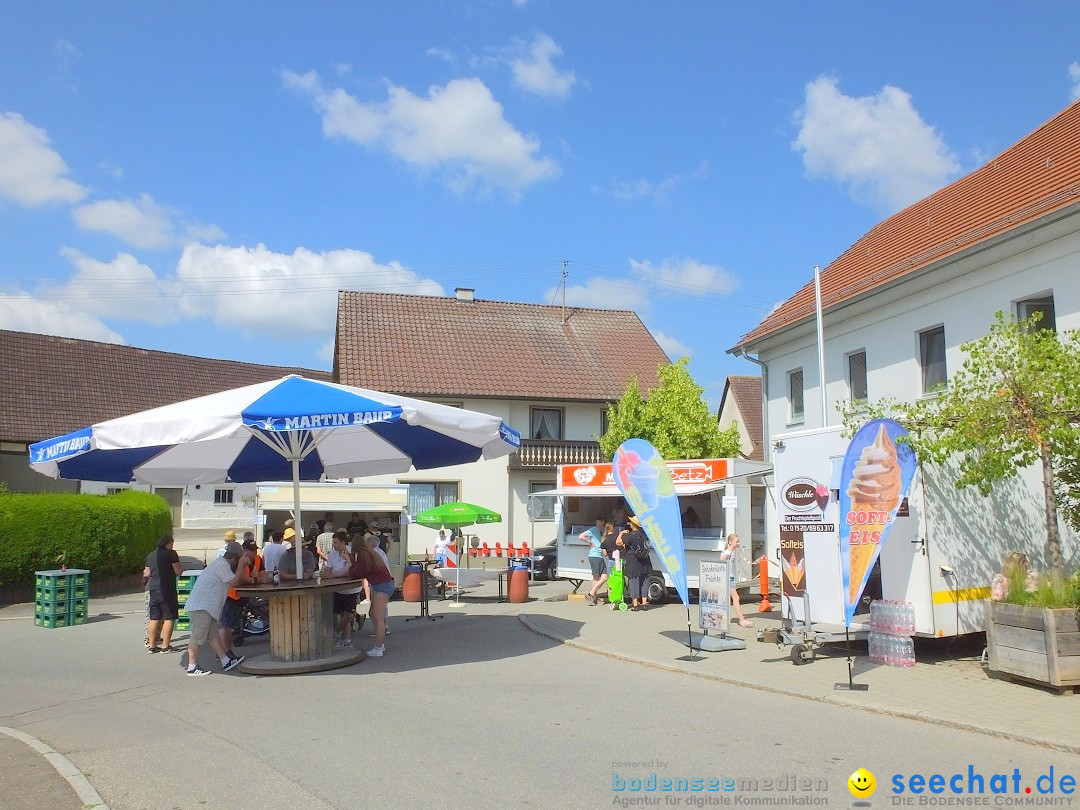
column 643, row 478
column 874, row 480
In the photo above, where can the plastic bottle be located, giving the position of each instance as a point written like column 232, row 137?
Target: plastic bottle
column 277, row 577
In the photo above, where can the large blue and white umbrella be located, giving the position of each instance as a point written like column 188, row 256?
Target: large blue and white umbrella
column 289, row 429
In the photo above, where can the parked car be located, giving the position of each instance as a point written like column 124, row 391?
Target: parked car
column 543, row 562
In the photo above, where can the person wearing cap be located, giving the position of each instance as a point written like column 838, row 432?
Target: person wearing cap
column 232, row 612
column 273, row 550
column 593, row 537
column 636, row 563
column 204, row 606
column 287, row 563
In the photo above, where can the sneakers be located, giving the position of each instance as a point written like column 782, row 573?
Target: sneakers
column 590, row 599
column 232, row 663
column 343, row 644
column 152, row 650
column 194, row 673
column 377, row 652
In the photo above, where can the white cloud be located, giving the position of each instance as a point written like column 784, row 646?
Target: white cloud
column 636, row 291
column 260, row 291
column 326, row 351
column 534, row 72
column 659, row 192
column 672, row 347
column 123, row 288
column 601, row 293
column 142, row 223
column 877, row 146
column 23, row 313
column 458, row 130
column 1074, row 79
column 32, row 173
column 687, row 276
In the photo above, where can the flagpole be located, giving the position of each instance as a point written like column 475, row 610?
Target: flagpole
column 820, row 346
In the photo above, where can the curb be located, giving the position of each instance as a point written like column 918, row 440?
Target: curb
column 65, row 767
column 907, row 715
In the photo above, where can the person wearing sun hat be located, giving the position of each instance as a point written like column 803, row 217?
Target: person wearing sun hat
column 230, row 537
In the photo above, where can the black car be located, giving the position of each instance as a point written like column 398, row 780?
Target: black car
column 544, row 561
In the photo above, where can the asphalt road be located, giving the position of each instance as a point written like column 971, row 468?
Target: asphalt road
column 470, row 710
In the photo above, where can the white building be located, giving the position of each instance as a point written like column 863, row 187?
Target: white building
column 547, row 372
column 899, row 303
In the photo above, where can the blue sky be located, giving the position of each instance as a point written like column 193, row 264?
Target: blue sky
column 202, row 177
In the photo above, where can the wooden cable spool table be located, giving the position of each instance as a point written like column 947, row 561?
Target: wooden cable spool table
column 301, row 627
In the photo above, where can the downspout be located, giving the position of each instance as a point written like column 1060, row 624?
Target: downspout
column 766, row 447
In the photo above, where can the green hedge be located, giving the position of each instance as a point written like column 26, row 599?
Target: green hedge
column 108, row 534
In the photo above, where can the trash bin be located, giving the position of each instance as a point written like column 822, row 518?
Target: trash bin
column 518, row 583
column 412, row 584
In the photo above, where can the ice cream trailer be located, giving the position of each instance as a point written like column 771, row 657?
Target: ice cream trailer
column 718, row 489
column 940, row 554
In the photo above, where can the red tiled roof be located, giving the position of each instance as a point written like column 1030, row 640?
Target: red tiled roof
column 54, row 385
column 1037, row 176
column 747, row 393
column 419, row 345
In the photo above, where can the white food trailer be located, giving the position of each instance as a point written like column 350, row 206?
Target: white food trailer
column 381, row 505
column 718, row 490
column 942, row 549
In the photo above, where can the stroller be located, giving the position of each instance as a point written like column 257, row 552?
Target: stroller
column 255, row 622
column 615, row 586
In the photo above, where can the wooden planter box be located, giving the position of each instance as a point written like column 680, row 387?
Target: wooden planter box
column 1035, row 644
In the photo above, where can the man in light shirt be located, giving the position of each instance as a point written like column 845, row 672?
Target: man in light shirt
column 273, row 550
column 204, row 606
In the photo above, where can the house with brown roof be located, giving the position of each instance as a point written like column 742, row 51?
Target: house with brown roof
column 900, row 302
column 549, row 372
column 740, row 405
column 56, row 385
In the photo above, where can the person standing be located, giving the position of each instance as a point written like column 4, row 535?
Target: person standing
column 442, row 543
column 597, row 565
column 232, row 612
column 608, row 546
column 272, row 551
column 727, row 554
column 162, row 569
column 338, row 562
column 368, row 565
column 230, row 537
column 204, row 605
column 636, row 563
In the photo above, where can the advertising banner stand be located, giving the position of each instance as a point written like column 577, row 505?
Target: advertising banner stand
column 714, row 608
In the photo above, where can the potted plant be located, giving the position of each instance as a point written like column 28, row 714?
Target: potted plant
column 1033, row 627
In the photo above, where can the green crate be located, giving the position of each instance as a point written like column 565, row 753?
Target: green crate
column 182, row 614
column 79, row 591
column 77, row 615
column 50, row 609
column 183, row 624
column 51, row 592
column 185, row 582
column 78, row 604
column 55, row 621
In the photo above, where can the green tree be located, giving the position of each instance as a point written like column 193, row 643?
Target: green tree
column 674, row 419
column 1015, row 403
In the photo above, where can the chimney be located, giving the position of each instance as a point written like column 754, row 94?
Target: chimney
column 464, row 293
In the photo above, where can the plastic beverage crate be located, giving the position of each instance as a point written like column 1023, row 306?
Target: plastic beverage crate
column 56, row 621
column 50, row 610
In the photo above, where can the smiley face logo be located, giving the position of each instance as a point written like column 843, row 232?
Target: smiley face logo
column 862, row 784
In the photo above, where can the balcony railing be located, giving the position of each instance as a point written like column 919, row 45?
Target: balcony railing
column 544, row 454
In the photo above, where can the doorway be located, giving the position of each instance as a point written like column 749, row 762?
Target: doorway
column 174, row 497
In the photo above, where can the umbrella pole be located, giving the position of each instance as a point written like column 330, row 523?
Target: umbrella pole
column 298, row 547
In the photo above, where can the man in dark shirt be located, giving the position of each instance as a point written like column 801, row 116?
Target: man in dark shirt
column 162, row 568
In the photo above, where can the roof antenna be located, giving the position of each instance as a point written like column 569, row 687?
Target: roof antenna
column 565, row 262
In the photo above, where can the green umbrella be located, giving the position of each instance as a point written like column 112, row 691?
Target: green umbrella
column 456, row 516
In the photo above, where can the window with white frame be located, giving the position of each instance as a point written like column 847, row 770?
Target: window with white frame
column 223, row 496
column 604, row 421
column 856, row 375
column 796, row 411
column 429, row 494
column 1044, row 305
column 543, row 506
column 546, row 423
column 932, row 358
column 114, row 490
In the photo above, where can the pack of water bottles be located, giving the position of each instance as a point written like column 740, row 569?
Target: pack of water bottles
column 892, row 624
